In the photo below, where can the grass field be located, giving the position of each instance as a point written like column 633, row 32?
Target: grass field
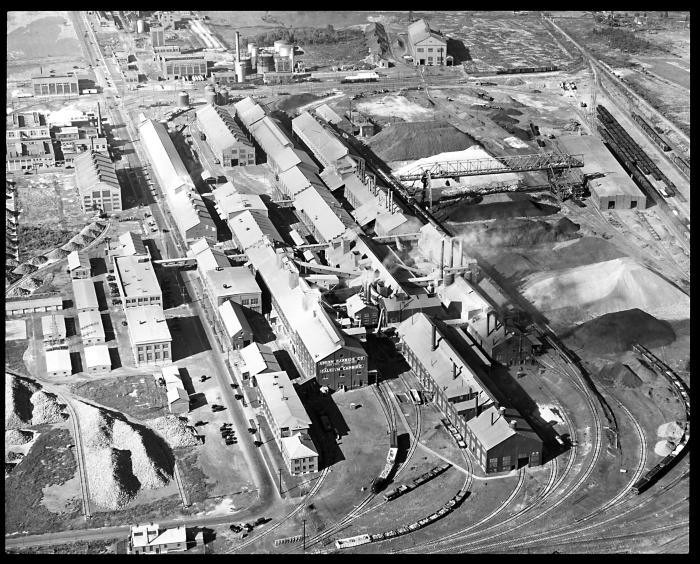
column 137, row 396
column 80, row 547
column 14, row 350
column 675, row 70
column 48, row 462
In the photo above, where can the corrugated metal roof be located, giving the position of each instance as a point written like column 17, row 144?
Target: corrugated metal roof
column 321, row 213
column 284, row 158
column 84, row 292
column 132, row 244
column 282, row 401
column 222, row 132
column 78, row 259
column 327, row 113
column 248, row 111
column 47, row 326
column 90, row 325
column 269, row 136
column 167, row 165
column 251, row 228
column 208, row 257
column 323, row 143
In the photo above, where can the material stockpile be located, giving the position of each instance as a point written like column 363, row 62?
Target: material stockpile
column 499, row 206
column 32, row 284
column 503, row 118
column 25, row 268
column 17, row 437
column 420, row 139
column 38, row 260
column 509, row 233
column 58, row 254
column 72, row 246
column 618, row 331
column 175, row 431
column 616, row 373
column 27, row 404
column 664, row 448
column 295, row 100
column 606, row 287
column 377, row 40
column 673, row 431
column 121, row 457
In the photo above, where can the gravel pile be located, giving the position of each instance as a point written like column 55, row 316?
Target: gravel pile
column 417, row 140
column 38, row 260
column 673, row 431
column 16, row 437
column 46, row 408
column 175, row 431
column 18, row 404
column 24, row 268
column 664, row 448
column 72, row 246
column 121, row 457
column 57, row 254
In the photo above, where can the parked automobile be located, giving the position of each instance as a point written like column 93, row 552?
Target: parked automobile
column 234, row 386
column 200, row 423
column 239, row 396
column 203, row 378
column 116, row 302
column 261, row 520
column 124, row 323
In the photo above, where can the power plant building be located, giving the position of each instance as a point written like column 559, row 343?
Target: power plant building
column 97, row 182
column 498, row 437
column 427, row 46
column 178, row 65
column 225, row 138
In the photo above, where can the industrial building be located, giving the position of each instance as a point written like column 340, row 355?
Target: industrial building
column 322, row 214
column 85, row 295
column 157, row 37
column 325, row 112
column 610, row 186
column 289, row 422
column 130, row 244
column 53, row 329
column 192, row 216
column 38, row 303
column 74, row 140
column 361, row 313
column 97, row 182
column 228, row 143
column 149, row 335
column 427, row 46
column 91, row 330
column 236, row 329
column 58, row 363
column 79, row 264
column 55, row 85
column 28, row 142
column 137, row 281
column 179, row 65
column 153, row 539
column 97, row 360
column 258, row 358
column 455, row 372
column 233, row 283
column 208, row 257
column 251, row 227
column 322, row 351
column 229, row 202
column 178, row 398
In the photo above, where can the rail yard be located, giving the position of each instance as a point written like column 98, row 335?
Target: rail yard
column 355, row 282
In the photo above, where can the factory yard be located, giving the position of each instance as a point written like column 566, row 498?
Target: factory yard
column 288, row 348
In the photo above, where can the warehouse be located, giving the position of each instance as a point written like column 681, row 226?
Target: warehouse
column 79, row 264
column 289, row 422
column 427, row 46
column 258, row 358
column 55, row 85
column 229, row 202
column 251, row 227
column 53, row 328
column 97, row 360
column 149, row 335
column 498, row 437
column 610, row 186
column 236, row 329
column 324, row 111
column 38, row 303
column 324, row 145
column 91, row 330
column 130, row 244
column 249, row 112
column 137, row 281
column 207, row 256
column 191, row 215
column 58, row 363
column 97, row 182
column 233, row 283
column 85, row 295
column 336, row 361
column 361, row 313
column 180, row 65
column 228, row 143
column 297, row 179
column 322, row 214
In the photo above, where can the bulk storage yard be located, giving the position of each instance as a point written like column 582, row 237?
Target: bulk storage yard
column 466, row 318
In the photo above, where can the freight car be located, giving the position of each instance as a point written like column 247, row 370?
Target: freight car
column 682, row 164
column 651, row 133
column 523, row 70
column 380, row 481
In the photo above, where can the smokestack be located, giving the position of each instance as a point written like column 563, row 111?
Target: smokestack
column 442, row 259
column 238, row 47
column 452, row 252
column 513, row 423
column 434, row 338
column 460, row 242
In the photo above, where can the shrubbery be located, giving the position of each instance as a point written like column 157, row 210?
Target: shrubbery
column 307, row 35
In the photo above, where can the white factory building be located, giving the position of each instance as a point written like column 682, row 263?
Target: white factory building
column 258, row 358
column 149, row 335
column 178, row 398
column 85, row 295
column 91, row 330
column 97, row 360
column 137, row 281
column 237, row 331
column 58, row 362
column 53, row 328
column 228, row 143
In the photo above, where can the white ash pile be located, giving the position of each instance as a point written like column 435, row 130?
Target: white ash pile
column 121, row 457
column 664, row 448
column 17, row 437
column 673, row 431
column 46, row 408
column 175, row 431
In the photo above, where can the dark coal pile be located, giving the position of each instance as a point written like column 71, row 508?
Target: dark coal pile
column 378, row 40
column 502, row 118
column 565, row 225
column 617, row 373
column 419, row 139
column 295, row 100
column 514, row 232
column 617, row 332
column 518, row 206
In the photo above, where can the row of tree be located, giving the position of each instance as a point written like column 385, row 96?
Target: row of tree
column 625, row 40
column 306, row 35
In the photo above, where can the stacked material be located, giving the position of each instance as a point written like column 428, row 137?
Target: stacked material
column 38, row 260
column 58, row 254
column 420, row 139
column 32, row 284
column 664, row 448
column 46, row 408
column 617, row 332
column 673, row 431
column 18, row 405
column 78, row 239
column 16, row 437
column 72, row 246
column 175, row 431
column 121, row 457
column 606, row 287
column 88, row 238
column 618, row 373
column 25, row 268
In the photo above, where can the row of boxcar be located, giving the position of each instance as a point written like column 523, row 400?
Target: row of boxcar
column 519, row 70
column 682, row 164
column 381, row 480
column 439, row 514
column 632, row 155
column 651, row 132
column 419, row 481
column 651, row 477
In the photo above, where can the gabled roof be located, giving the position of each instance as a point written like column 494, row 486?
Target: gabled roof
column 233, row 318
column 355, row 304
column 419, row 31
column 269, row 136
column 248, row 111
column 221, row 130
column 90, row 325
column 320, row 212
column 259, row 358
column 297, row 179
column 284, row 158
column 282, row 401
column 230, row 202
column 78, row 259
column 189, row 211
column 84, row 292
column 252, row 228
column 167, row 165
column 97, row 355
column 208, row 257
column 132, row 244
column 327, row 113
column 491, row 428
column 321, row 141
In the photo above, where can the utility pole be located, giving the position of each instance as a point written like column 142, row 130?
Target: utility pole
column 303, row 534
column 280, row 481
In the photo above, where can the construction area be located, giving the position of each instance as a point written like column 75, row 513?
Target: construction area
column 381, row 282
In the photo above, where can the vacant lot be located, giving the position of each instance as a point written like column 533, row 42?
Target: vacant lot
column 80, row 547
column 49, row 462
column 14, row 350
column 137, row 396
